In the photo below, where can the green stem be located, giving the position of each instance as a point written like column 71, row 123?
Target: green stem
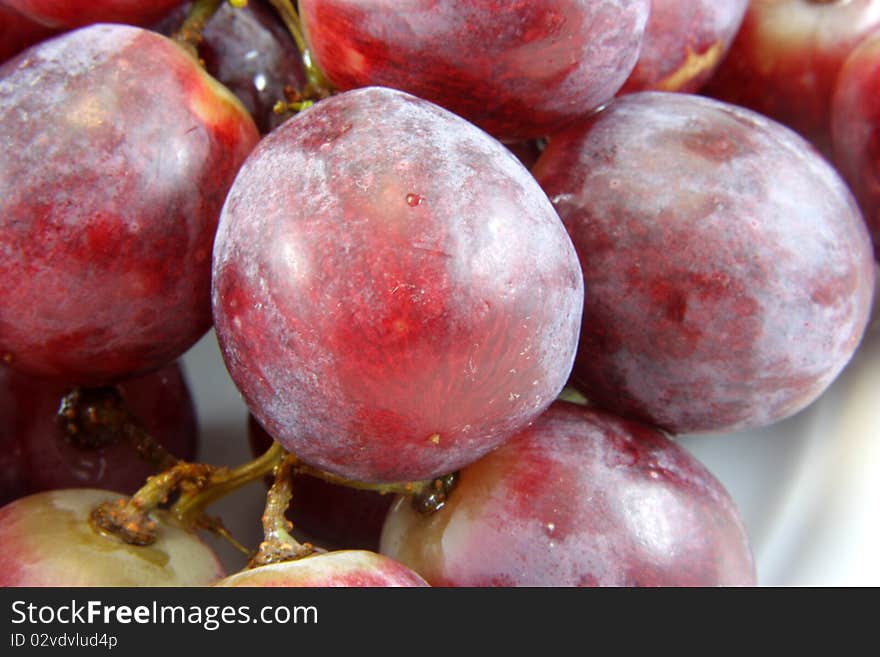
column 291, row 20
column 317, row 86
column 573, row 395
column 278, row 545
column 215, row 526
column 189, row 35
column 199, row 485
column 129, row 518
column 224, row 481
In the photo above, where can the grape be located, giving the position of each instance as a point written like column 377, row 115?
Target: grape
column 526, row 152
column 116, row 152
column 518, row 70
column 75, row 13
column 47, row 541
column 251, row 53
column 786, row 57
column 330, row 514
column 344, row 568
column 684, row 43
column 728, row 273
column 35, row 454
column 855, row 129
column 393, row 293
column 581, row 498
column 17, row 32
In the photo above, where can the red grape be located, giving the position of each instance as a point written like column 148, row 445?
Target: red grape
column 35, row 455
column 517, row 69
column 855, row 129
column 786, row 57
column 526, row 152
column 393, row 293
column 684, row 43
column 251, row 52
column 116, row 152
column 345, row 568
column 48, row 541
column 580, row 498
column 76, row 13
column 728, row 273
column 17, row 32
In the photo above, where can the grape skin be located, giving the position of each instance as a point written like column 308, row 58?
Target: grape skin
column 76, row 13
column 17, row 32
column 684, row 43
column 34, row 455
column 516, row 69
column 728, row 272
column 117, row 152
column 343, row 568
column 393, row 317
column 855, row 129
column 48, row 541
column 786, row 57
column 581, row 498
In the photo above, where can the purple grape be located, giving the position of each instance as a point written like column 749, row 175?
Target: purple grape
column 728, row 273
column 393, row 293
column 581, row 498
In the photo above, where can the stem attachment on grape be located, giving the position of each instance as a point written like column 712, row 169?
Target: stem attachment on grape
column 224, row 481
column 573, row 396
column 198, row 485
column 278, row 545
column 433, row 498
column 130, row 520
column 317, row 86
column 95, row 417
column 402, row 488
column 428, row 494
column 189, row 35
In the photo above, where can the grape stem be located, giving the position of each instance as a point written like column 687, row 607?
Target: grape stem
column 199, row 485
column 278, row 545
column 317, row 86
column 94, row 417
column 215, row 526
column 428, row 496
column 224, row 481
column 130, row 520
column 189, row 34
column 573, row 396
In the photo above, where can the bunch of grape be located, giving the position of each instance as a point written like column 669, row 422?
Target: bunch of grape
column 416, row 228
